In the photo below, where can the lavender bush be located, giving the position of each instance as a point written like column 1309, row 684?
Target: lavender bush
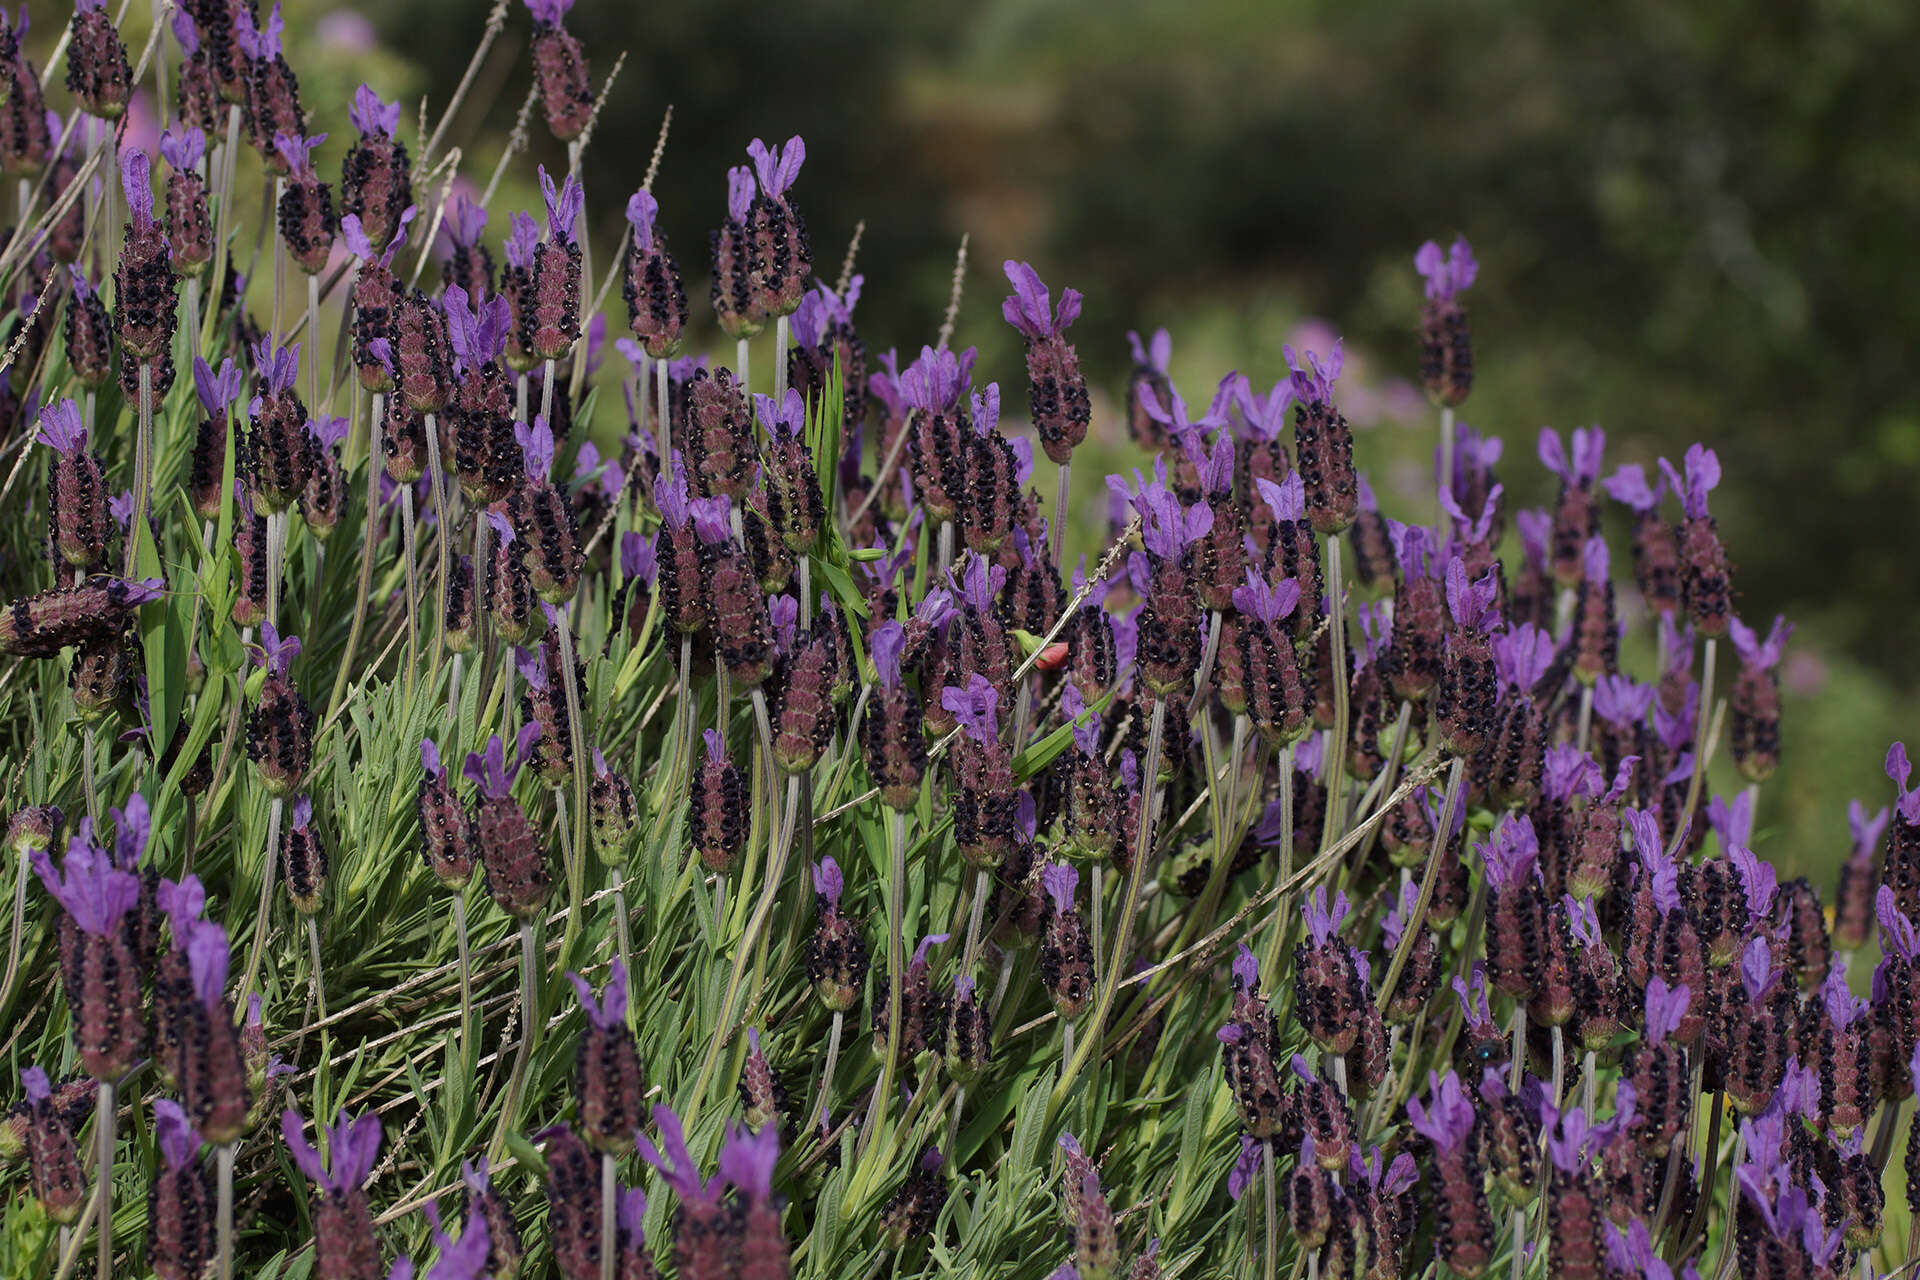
column 1292, row 885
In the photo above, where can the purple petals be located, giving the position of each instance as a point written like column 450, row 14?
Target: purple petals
column 1268, row 602
column 1570, row 773
column 1447, row 1117
column 1755, row 652
column 935, row 382
column 739, row 192
column 1027, row 308
column 179, row 1140
column 1595, row 559
column 640, row 556
column 1060, row 881
column 1841, row 1004
column 279, row 367
column 182, row 147
column 608, row 1013
column 479, row 334
column 1157, row 354
column 430, row 760
column 1900, row 771
column 1621, row 702
column 1702, row 474
column 716, row 746
column 828, row 882
column 674, row 1161
column 298, row 152
column 563, row 206
column 208, row 960
column 1316, row 386
column 888, row 643
column 1629, row 486
column 216, row 391
column 1522, row 654
column 1666, row 1006
column 488, row 770
column 789, row 419
column 1324, row 921
column 548, row 12
column 747, row 1160
column 135, row 182
column 523, row 237
column 777, row 167
column 95, row 893
column 1246, row 1166
column 62, row 429
column 1449, row 274
column 1756, row 969
column 1266, row 416
column 1512, row 853
column 642, row 209
column 1866, row 830
column 536, row 447
column 275, row 652
column 1897, row 933
column 974, row 707
column 1471, row 604
column 1588, row 446
column 918, row 964
column 352, row 1147
column 711, row 523
column 372, row 117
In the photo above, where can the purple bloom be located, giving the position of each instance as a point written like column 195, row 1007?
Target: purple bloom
column 1702, row 474
column 1323, row 921
column 298, row 152
column 1571, row 773
column 986, row 409
column 1666, row 1007
column 372, row 117
column 132, row 826
column 181, row 147
column 1733, row 823
column 351, row 1148
column 1472, row 603
column 489, row 770
column 610, row 1011
column 739, row 192
column 1266, row 601
column 974, row 707
column 642, row 209
column 1512, row 853
column 1621, row 702
column 563, row 206
column 430, row 760
column 1287, row 499
column 536, row 447
column 710, row 519
column 523, row 237
column 183, row 30
column 275, row 652
column 462, row 1259
column 1866, row 830
column 1167, row 528
column 1415, row 546
column 1447, row 275
column 1266, row 416
column 179, row 1140
column 1026, row 310
column 1156, row 354
column 747, row 1160
column 827, row 881
column 1596, row 560
column 716, row 746
column 1567, row 1140
column 1756, row 969
column 1314, row 385
column 1899, row 770
column 1588, row 445
column 260, row 44
column 216, row 391
column 1472, row 529
column 640, row 556
column 61, row 429
column 548, row 12
column 95, row 892
column 1629, row 485
column 478, row 334
column 935, row 382
column 981, row 583
column 464, row 221
column 1757, row 878
column 208, row 960
column 675, row 1162
column 1246, row 1167
column 278, row 367
column 918, row 964
column 1754, row 651
column 888, row 643
column 136, row 183
column 1896, row 931
column 1060, row 881
column 777, row 167
column 1522, row 654
column 1447, row 1117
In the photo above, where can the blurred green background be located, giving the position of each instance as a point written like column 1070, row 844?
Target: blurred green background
column 1694, row 220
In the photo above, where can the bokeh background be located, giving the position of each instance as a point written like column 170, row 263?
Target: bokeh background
column 1694, row 220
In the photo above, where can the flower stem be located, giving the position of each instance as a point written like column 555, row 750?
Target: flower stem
column 609, row 1221
column 223, row 1162
column 1277, row 930
column 529, row 1032
column 267, row 866
column 13, row 938
column 466, row 973
column 779, row 361
column 142, row 468
column 319, row 983
column 1057, row 531
column 826, row 1075
column 1700, row 732
column 577, row 858
column 1441, row 837
column 896, row 964
column 370, row 543
column 442, row 503
column 411, row 550
column 1270, row 1259
column 105, row 1118
column 1334, row 760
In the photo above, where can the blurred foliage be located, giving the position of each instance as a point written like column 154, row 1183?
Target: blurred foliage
column 1695, row 221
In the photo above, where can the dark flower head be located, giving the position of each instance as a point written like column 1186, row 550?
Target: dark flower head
column 352, row 1146
column 1447, row 274
column 1702, row 474
column 1588, row 445
column 563, row 206
column 1027, row 308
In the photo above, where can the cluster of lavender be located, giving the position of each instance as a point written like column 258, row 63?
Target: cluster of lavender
column 1518, row 960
